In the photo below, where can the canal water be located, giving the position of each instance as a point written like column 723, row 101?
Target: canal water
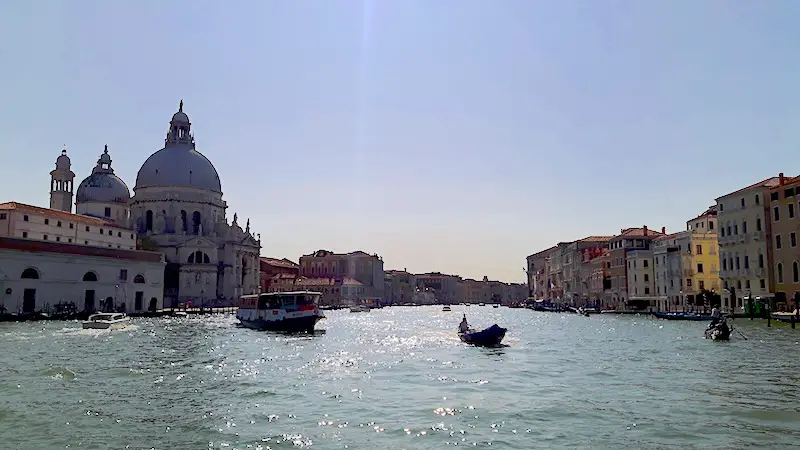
column 399, row 378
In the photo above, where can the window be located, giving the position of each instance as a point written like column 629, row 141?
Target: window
column 735, row 229
column 744, row 227
column 776, row 213
column 3, row 216
column 90, row 276
column 25, row 218
column 101, row 231
column 58, row 238
column 646, row 277
column 71, row 226
column 699, row 268
column 87, row 229
column 119, row 234
column 688, row 282
column 69, row 240
column 758, row 199
column 722, row 231
column 742, row 202
column 47, row 221
column 746, row 263
column 647, row 291
column 645, row 263
column 107, row 212
column 791, row 210
column 773, row 196
column 758, row 224
column 780, row 273
column 85, row 242
column 24, row 234
column 138, row 279
column 760, row 260
column 747, row 284
column 123, row 275
column 721, row 207
column 737, row 263
column 58, row 224
column 724, row 264
column 131, row 235
column 762, row 283
column 795, row 272
column 793, row 239
column 701, row 284
column 710, row 225
column 699, row 249
column 44, row 237
column 777, row 241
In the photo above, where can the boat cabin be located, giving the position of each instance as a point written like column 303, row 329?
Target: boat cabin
column 293, row 301
column 106, row 316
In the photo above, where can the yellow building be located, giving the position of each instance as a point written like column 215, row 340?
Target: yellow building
column 700, row 257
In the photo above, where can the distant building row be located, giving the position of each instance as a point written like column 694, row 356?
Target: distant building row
column 358, row 277
column 745, row 245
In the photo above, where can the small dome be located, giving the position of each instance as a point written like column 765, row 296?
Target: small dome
column 103, row 187
column 180, row 117
column 63, row 162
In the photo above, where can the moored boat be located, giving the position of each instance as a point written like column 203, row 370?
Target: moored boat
column 446, row 308
column 106, row 321
column 280, row 311
column 489, row 337
column 359, row 308
column 681, row 316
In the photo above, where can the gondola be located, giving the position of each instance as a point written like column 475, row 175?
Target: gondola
column 718, row 330
column 489, row 337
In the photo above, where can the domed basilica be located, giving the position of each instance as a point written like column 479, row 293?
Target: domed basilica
column 177, row 206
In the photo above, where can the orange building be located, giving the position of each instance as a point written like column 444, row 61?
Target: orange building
column 784, row 202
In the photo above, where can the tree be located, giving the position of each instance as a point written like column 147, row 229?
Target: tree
column 146, row 243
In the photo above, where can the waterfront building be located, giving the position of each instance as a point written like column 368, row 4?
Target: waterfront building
column 474, row 291
column 555, row 273
column 399, row 287
column 598, row 282
column 629, row 240
column 269, row 267
column 700, row 259
column 744, row 238
column 365, row 268
column 585, row 251
column 36, row 275
column 177, row 205
column 784, row 204
column 538, row 272
column 640, row 277
column 23, row 221
column 444, row 287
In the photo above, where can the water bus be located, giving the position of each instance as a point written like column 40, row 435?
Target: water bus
column 280, row 311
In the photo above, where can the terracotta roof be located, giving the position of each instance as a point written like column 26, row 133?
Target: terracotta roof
column 597, row 239
column 78, row 218
column 637, row 232
column 769, row 182
column 279, row 262
column 787, row 182
column 34, row 246
column 283, row 276
column 665, row 237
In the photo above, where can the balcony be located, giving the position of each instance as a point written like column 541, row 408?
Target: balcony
column 688, row 272
column 757, row 235
column 726, row 240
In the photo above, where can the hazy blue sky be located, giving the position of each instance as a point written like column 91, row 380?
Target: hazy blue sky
column 457, row 136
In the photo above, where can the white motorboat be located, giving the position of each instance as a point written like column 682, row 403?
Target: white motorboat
column 446, row 308
column 359, row 308
column 107, row 321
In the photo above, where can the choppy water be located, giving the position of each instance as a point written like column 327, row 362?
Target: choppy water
column 399, row 378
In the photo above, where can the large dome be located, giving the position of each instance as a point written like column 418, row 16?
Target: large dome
column 178, row 164
column 102, row 185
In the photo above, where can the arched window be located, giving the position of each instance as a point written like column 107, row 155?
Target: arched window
column 198, row 257
column 30, row 274
column 196, row 219
column 90, row 276
column 795, row 272
column 780, row 273
column 138, row 279
column 244, row 269
column 184, row 223
column 148, row 220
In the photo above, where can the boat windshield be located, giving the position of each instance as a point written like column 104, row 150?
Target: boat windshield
column 308, row 299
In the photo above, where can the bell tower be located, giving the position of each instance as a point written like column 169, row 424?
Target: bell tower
column 61, row 180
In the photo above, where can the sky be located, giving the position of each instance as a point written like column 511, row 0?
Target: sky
column 453, row 136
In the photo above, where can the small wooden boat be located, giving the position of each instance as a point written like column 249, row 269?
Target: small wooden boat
column 446, row 308
column 106, row 321
column 489, row 337
column 718, row 331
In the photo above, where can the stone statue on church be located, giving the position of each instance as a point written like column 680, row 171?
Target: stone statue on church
column 247, row 229
column 235, row 219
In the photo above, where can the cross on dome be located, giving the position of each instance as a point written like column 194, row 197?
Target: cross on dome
column 179, row 129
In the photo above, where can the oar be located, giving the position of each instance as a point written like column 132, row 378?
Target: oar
column 740, row 333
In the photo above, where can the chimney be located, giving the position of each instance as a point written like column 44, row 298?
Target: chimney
column 644, row 227
column 663, row 230
column 780, row 176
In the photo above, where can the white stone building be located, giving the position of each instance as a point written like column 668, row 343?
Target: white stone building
column 35, row 275
column 178, row 204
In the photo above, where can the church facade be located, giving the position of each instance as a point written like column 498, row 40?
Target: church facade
column 177, row 209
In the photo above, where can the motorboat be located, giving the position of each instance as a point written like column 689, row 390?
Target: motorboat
column 681, row 316
column 718, row 330
column 490, row 337
column 106, row 321
column 495, row 305
column 296, row 311
column 481, row 304
column 359, row 308
column 446, row 308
